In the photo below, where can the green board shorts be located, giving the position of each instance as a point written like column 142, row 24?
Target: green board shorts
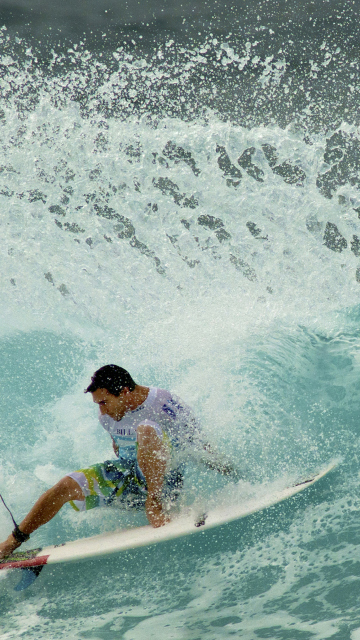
column 120, row 482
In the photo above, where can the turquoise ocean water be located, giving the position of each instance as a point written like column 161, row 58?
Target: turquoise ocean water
column 182, row 198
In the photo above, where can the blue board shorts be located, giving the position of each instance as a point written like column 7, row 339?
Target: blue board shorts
column 120, row 482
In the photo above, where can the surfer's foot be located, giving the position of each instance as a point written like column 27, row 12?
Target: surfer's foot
column 7, row 547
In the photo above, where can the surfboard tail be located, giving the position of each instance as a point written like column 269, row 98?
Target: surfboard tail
column 30, row 563
column 14, row 562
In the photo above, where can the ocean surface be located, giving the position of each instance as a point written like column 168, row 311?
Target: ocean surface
column 180, row 195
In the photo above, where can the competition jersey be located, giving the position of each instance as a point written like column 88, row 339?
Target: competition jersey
column 172, row 419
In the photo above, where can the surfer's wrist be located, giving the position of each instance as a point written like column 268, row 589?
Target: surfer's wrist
column 155, row 498
column 154, row 510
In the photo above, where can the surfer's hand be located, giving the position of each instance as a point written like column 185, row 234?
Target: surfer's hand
column 227, row 469
column 7, row 547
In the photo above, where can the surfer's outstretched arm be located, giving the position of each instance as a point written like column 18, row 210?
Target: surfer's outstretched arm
column 217, row 462
column 44, row 509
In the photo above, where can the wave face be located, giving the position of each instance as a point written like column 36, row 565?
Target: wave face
column 189, row 210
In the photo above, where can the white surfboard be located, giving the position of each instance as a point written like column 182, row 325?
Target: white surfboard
column 120, row 540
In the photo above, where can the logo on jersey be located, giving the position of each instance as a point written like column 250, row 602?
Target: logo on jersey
column 125, row 432
column 171, row 412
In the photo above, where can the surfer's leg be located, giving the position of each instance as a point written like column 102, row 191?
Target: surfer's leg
column 46, row 507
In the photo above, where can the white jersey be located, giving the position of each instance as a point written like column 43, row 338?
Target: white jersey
column 173, row 421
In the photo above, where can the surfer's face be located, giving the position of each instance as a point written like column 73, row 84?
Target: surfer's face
column 110, row 405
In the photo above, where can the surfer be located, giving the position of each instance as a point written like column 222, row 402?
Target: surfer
column 152, row 432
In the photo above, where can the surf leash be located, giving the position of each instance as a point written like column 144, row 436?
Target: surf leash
column 19, row 535
column 29, row 574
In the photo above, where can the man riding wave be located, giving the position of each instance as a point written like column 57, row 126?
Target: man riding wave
column 152, row 432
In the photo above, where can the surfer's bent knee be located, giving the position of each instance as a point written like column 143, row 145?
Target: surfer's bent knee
column 69, row 489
